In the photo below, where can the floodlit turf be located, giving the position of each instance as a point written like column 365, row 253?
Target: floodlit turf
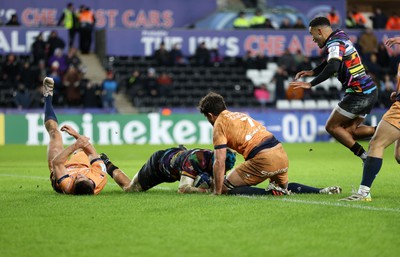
column 35, row 221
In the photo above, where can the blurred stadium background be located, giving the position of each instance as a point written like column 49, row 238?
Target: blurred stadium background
column 150, row 62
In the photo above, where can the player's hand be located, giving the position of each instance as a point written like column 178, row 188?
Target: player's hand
column 303, row 73
column 70, row 131
column 300, row 84
column 82, row 142
column 392, row 41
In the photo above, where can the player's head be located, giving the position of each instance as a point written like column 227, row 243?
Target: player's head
column 211, row 106
column 320, row 29
column 83, row 185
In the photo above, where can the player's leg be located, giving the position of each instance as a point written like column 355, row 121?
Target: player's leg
column 344, row 122
column 55, row 145
column 269, row 163
column 118, row 175
column 298, row 188
column 336, row 126
column 384, row 136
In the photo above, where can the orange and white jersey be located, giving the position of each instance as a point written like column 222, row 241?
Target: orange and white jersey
column 79, row 164
column 239, row 132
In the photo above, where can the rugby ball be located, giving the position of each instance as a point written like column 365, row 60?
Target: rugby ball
column 203, row 180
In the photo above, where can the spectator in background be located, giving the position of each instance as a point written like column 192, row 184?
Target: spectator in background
column 110, row 87
column 70, row 21
column 387, row 88
column 258, row 20
column 268, row 24
column 333, row 18
column 28, row 76
column 150, row 83
column 73, row 59
column 373, row 67
column 71, row 82
column 359, row 18
column 135, row 87
column 215, row 57
column 22, row 97
column 176, row 55
column 41, row 72
column 86, row 25
column 11, row 71
column 53, row 42
column 299, row 24
column 261, row 61
column 162, row 55
column 368, row 43
column 393, row 22
column 58, row 91
column 287, row 60
column 262, row 95
column 202, row 55
column 61, row 59
column 241, row 22
column 164, row 84
column 350, row 22
column 91, row 94
column 279, row 79
column 285, row 24
column 378, row 19
column 304, row 64
column 13, row 21
column 38, row 49
column 249, row 61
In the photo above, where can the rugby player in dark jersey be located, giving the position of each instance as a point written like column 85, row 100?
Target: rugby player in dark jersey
column 170, row 165
column 343, row 61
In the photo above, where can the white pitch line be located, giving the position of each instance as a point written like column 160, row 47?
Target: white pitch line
column 283, row 199
column 338, row 204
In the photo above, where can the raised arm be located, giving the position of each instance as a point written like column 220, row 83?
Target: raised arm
column 89, row 149
column 61, row 158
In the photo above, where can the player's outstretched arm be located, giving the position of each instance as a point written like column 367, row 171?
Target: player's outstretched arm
column 219, row 170
column 186, row 186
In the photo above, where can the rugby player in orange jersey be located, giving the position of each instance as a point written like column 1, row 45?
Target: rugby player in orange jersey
column 387, row 133
column 264, row 155
column 84, row 173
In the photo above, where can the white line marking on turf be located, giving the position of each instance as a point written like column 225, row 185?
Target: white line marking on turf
column 338, row 204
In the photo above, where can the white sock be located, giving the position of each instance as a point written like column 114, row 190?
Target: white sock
column 364, row 156
column 363, row 190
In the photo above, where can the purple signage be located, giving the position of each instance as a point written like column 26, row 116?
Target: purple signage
column 229, row 42
column 112, row 14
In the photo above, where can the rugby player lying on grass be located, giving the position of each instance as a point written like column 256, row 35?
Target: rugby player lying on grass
column 170, row 165
column 84, row 173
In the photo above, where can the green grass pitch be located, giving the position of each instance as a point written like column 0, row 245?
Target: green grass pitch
column 35, row 221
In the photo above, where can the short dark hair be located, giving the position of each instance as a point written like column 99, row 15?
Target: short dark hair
column 212, row 103
column 85, row 187
column 319, row 21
